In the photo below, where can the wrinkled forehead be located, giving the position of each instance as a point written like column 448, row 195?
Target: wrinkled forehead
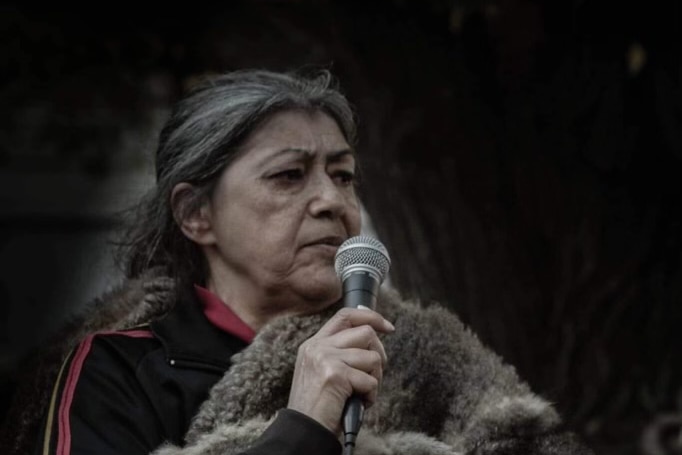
column 297, row 134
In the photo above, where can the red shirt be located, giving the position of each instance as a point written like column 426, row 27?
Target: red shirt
column 222, row 316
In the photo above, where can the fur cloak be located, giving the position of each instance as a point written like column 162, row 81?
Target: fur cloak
column 443, row 392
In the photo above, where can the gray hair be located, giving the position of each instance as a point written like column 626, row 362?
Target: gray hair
column 199, row 140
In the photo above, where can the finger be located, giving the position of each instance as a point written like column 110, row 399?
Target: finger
column 334, row 367
column 344, row 345
column 362, row 337
column 347, row 318
column 371, row 397
column 361, row 359
column 364, row 384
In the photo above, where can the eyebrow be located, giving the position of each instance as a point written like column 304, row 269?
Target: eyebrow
column 333, row 157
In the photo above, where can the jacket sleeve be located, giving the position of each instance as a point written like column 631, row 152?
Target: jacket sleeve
column 97, row 406
column 293, row 432
column 289, row 432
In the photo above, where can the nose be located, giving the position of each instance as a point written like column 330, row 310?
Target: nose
column 327, row 199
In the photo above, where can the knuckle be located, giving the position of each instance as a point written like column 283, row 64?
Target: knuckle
column 305, row 349
column 373, row 383
column 330, row 374
column 367, row 331
column 344, row 317
column 311, row 352
column 344, row 314
column 315, row 355
column 384, row 357
column 378, row 373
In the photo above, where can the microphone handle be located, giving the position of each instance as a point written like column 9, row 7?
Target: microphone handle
column 353, row 414
column 359, row 288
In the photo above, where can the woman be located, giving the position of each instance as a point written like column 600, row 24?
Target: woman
column 228, row 335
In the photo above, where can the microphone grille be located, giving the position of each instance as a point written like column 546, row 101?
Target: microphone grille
column 362, row 253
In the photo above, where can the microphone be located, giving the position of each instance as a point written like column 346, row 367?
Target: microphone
column 361, row 263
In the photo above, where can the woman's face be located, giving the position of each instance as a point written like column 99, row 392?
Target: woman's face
column 280, row 211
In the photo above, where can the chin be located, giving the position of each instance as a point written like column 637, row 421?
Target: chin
column 322, row 293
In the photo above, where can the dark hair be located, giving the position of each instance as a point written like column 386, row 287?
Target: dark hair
column 197, row 143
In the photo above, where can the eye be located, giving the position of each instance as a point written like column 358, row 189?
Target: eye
column 289, row 175
column 344, row 178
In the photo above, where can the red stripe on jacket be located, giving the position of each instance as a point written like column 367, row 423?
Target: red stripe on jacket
column 64, row 423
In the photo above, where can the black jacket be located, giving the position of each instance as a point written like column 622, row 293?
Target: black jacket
column 130, row 391
column 443, row 393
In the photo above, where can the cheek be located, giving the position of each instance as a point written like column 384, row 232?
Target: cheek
column 270, row 232
column 258, row 247
column 354, row 220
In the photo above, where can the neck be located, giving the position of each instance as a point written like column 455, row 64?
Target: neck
column 256, row 306
column 251, row 311
column 257, row 303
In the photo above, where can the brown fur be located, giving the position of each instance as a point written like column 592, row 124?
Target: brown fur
column 443, row 392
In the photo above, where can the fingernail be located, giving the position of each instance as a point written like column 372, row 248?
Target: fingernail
column 388, row 325
column 363, row 307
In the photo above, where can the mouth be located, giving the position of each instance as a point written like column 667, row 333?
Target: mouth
column 332, row 241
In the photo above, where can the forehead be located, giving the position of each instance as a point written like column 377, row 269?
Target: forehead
column 313, row 133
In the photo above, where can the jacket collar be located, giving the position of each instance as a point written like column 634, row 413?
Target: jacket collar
column 221, row 315
column 190, row 339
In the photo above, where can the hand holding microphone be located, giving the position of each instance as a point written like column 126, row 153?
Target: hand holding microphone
column 362, row 264
column 339, row 369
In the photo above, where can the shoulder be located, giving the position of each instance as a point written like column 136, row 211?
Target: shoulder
column 102, row 359
column 111, row 353
column 133, row 343
column 104, row 364
column 90, row 403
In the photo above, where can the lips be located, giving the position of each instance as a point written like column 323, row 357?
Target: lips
column 332, row 241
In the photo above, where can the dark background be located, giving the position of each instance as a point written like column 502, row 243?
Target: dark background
column 521, row 162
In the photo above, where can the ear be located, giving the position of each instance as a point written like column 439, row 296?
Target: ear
column 194, row 222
